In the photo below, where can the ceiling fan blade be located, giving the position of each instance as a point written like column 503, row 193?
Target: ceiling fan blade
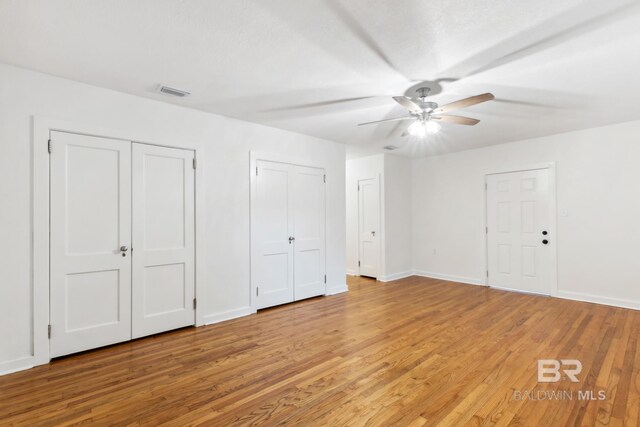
column 464, row 103
column 458, row 120
column 408, row 104
column 388, row 120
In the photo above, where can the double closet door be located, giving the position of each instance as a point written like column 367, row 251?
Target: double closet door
column 288, row 233
column 122, row 241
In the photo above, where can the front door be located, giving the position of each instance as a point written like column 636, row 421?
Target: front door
column 518, row 235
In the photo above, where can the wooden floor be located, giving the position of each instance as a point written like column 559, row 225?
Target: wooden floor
column 411, row 352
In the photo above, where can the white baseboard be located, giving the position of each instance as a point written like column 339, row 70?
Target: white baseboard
column 395, row 276
column 12, row 366
column 337, row 289
column 228, row 315
column 450, row 278
column 352, row 272
column 596, row 299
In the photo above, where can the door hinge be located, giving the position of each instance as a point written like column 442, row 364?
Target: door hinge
column 325, row 278
column 195, row 163
column 358, row 187
column 324, row 178
column 486, row 230
column 358, row 263
column 49, row 331
column 486, row 186
column 487, row 273
column 256, row 171
column 195, row 303
column 49, row 146
column 257, row 291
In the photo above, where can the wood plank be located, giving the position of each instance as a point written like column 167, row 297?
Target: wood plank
column 414, row 352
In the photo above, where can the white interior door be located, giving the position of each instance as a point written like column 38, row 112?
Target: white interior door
column 518, row 239
column 309, row 232
column 163, row 248
column 90, row 284
column 273, row 230
column 368, row 226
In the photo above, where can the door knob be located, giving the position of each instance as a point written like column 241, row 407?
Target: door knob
column 544, row 233
column 373, row 233
column 291, row 239
column 545, row 241
column 124, row 248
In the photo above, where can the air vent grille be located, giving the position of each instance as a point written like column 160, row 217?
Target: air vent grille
column 390, row 147
column 173, row 91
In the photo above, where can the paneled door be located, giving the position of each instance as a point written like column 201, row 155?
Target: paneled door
column 368, row 227
column 274, row 233
column 309, row 232
column 163, row 239
column 90, row 214
column 518, row 234
column 288, row 233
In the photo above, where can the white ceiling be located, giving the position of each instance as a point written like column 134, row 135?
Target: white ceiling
column 554, row 65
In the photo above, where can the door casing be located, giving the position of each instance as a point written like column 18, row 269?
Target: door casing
column 41, row 128
column 254, row 156
column 552, row 206
column 377, row 245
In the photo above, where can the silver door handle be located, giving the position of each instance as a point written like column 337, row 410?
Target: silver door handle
column 373, row 233
column 124, row 248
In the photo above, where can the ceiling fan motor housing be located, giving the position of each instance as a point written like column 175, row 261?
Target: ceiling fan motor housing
column 428, row 106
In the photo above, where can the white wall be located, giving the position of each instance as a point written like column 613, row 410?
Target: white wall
column 356, row 170
column 398, row 218
column 598, row 204
column 224, row 146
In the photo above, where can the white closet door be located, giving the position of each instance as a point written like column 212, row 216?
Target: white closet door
column 163, row 239
column 309, row 232
column 90, row 287
column 518, row 236
column 273, row 229
column 368, row 226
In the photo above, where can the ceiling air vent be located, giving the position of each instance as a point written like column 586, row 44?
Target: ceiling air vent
column 390, row 147
column 173, row 91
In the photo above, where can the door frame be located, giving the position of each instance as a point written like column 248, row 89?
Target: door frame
column 41, row 128
column 380, row 221
column 552, row 287
column 254, row 156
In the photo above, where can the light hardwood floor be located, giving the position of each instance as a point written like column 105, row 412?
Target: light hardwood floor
column 413, row 352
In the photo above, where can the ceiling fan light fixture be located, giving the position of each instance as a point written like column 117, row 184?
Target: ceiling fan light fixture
column 432, row 127
column 417, row 128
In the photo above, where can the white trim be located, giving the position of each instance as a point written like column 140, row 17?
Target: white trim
column 352, row 272
column 450, row 278
column 395, row 276
column 16, row 365
column 552, row 287
column 337, row 290
column 596, row 299
column 227, row 315
column 254, row 256
column 42, row 127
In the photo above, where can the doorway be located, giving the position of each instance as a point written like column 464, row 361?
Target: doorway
column 122, row 242
column 288, row 233
column 520, row 231
column 369, row 227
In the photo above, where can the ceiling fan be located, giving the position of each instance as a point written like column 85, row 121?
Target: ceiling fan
column 426, row 115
